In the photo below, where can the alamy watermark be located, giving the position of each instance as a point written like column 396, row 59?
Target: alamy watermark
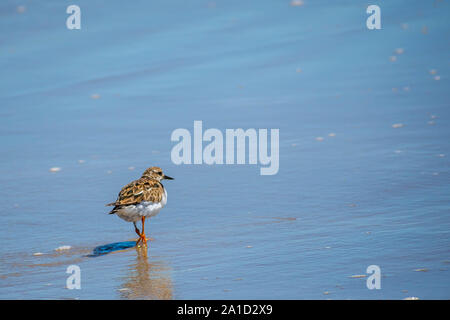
column 74, row 280
column 373, row 281
column 235, row 147
column 74, row 20
column 374, row 20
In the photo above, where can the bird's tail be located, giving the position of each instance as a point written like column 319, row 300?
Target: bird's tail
column 114, row 209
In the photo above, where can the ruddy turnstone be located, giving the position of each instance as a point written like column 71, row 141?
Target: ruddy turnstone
column 142, row 198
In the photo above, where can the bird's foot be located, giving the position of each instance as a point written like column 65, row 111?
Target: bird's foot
column 142, row 240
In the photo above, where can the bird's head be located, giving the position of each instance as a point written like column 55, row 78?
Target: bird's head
column 156, row 174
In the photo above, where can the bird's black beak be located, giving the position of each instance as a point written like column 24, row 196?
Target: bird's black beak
column 167, row 177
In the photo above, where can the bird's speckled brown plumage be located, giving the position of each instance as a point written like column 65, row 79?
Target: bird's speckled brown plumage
column 146, row 188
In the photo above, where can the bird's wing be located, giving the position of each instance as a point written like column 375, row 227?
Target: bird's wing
column 138, row 191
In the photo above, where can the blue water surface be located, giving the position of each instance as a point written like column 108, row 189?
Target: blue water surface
column 364, row 148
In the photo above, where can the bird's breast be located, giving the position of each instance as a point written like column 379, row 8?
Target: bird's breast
column 147, row 209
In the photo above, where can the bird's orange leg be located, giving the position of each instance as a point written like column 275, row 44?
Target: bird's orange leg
column 137, row 232
column 136, row 229
column 143, row 238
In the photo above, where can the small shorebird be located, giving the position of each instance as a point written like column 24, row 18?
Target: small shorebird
column 140, row 199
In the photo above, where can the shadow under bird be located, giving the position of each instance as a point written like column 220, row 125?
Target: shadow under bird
column 141, row 199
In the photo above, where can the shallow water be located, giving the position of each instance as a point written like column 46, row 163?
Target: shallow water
column 112, row 93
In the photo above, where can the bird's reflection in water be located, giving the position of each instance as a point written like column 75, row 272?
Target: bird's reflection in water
column 147, row 280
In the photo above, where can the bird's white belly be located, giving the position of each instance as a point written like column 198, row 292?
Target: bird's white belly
column 134, row 213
